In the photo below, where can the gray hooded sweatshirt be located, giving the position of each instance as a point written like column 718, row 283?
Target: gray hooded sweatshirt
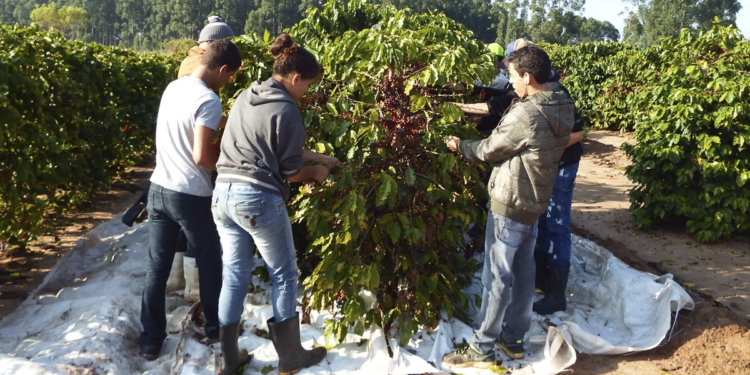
column 263, row 140
column 526, row 148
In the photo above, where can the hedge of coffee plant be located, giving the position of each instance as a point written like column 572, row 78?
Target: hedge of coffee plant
column 392, row 221
column 73, row 117
column 583, row 70
column 686, row 99
column 689, row 95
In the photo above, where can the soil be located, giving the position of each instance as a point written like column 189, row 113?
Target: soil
column 712, row 339
column 22, row 272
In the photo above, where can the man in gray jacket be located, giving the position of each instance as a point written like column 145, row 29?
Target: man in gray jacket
column 525, row 148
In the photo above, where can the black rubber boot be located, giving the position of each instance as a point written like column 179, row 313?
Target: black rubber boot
column 554, row 300
column 292, row 356
column 234, row 359
column 540, row 281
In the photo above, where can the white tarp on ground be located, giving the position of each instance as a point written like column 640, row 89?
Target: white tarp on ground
column 84, row 319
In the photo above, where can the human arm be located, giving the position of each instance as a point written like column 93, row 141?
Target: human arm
column 310, row 172
column 473, row 108
column 203, row 154
column 308, row 155
column 207, row 121
column 506, row 140
column 575, row 138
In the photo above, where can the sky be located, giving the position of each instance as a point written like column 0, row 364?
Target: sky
column 609, row 10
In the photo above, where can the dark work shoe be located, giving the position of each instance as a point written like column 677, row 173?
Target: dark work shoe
column 150, row 352
column 467, row 356
column 514, row 350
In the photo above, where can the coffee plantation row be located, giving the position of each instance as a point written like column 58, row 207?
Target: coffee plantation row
column 392, row 221
column 687, row 99
column 73, row 117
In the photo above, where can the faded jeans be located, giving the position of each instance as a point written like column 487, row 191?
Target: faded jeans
column 554, row 225
column 509, row 258
column 245, row 218
column 168, row 213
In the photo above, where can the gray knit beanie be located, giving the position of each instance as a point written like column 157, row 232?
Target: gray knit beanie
column 215, row 30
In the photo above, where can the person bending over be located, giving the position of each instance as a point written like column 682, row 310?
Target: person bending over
column 261, row 150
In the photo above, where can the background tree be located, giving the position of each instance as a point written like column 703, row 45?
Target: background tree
column 649, row 20
column 68, row 19
column 593, row 30
column 273, row 15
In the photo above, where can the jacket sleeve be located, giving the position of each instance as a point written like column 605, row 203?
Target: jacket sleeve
column 290, row 141
column 508, row 139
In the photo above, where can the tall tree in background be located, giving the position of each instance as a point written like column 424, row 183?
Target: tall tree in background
column 235, row 13
column 149, row 24
column 273, row 15
column 512, row 23
column 649, row 20
column 593, row 30
column 68, row 19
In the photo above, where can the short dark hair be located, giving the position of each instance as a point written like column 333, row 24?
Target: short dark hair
column 532, row 60
column 290, row 58
column 222, row 52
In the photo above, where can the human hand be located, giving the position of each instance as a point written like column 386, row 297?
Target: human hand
column 321, row 173
column 452, row 142
column 473, row 119
column 332, row 161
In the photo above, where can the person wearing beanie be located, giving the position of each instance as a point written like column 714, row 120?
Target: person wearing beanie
column 184, row 273
column 215, row 29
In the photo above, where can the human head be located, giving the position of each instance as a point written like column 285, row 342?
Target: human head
column 215, row 29
column 515, row 46
column 295, row 67
column 221, row 60
column 498, row 52
column 529, row 70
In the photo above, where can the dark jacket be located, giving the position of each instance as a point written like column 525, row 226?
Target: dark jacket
column 500, row 100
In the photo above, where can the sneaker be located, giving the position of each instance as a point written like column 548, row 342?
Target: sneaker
column 514, row 350
column 467, row 356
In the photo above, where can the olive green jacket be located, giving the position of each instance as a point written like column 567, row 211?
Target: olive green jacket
column 526, row 148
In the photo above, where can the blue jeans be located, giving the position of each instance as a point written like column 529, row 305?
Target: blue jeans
column 168, row 213
column 246, row 218
column 554, row 226
column 509, row 258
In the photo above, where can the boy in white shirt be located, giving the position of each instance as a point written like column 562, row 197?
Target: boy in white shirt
column 180, row 193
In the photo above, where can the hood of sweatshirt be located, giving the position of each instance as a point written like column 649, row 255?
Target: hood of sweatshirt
column 557, row 108
column 270, row 91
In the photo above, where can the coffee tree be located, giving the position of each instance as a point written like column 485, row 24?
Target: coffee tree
column 583, row 70
column 687, row 99
column 392, row 221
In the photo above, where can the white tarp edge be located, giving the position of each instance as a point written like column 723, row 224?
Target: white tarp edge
column 84, row 319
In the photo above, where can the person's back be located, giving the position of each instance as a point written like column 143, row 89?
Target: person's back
column 180, row 194
column 185, row 103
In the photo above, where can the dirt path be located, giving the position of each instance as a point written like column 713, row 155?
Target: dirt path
column 21, row 273
column 601, row 208
column 716, row 336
